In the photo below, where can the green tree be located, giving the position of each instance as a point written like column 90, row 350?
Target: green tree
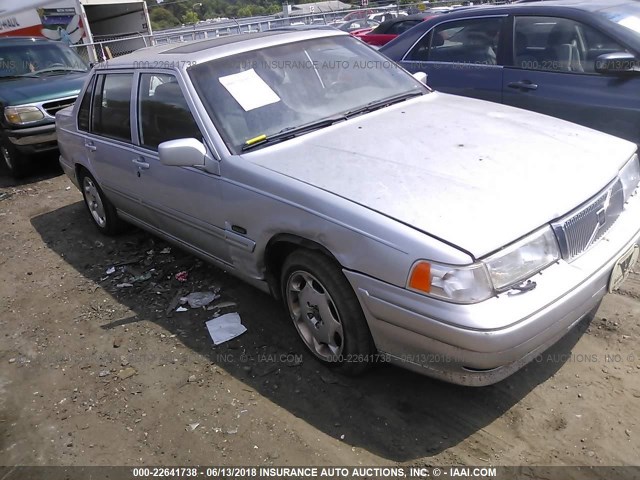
column 190, row 17
column 161, row 18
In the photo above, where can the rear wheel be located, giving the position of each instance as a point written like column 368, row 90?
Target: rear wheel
column 103, row 213
column 326, row 312
column 18, row 164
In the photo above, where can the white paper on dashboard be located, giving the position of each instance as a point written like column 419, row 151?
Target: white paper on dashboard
column 249, row 90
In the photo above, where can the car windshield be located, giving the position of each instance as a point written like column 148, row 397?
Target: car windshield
column 255, row 95
column 38, row 59
column 627, row 15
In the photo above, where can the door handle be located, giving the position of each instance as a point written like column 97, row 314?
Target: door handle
column 90, row 146
column 140, row 164
column 523, row 85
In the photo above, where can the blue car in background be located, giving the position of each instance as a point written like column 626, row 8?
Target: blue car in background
column 573, row 59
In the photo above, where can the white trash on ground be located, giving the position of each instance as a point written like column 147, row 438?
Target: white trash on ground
column 225, row 328
column 199, row 299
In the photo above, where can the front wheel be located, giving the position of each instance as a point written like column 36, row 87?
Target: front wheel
column 18, row 164
column 326, row 312
column 103, row 213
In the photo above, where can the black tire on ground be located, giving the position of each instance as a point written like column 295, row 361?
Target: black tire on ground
column 102, row 212
column 326, row 312
column 17, row 164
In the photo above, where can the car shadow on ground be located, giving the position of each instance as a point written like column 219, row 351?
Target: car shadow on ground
column 45, row 166
column 393, row 413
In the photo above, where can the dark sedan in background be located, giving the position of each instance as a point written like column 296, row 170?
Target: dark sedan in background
column 571, row 59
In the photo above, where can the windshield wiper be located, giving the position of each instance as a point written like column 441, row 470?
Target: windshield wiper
column 290, row 132
column 27, row 75
column 59, row 69
column 378, row 104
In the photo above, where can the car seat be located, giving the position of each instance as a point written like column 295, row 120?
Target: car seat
column 562, row 51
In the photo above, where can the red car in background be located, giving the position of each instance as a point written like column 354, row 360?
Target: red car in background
column 387, row 31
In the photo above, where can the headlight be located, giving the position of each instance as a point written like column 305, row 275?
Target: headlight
column 480, row 281
column 23, row 115
column 630, row 177
column 457, row 284
column 522, row 259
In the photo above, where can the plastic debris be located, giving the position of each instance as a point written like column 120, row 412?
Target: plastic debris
column 199, row 299
column 141, row 278
column 221, row 305
column 182, row 276
column 104, row 373
column 225, row 328
column 181, row 309
column 165, row 251
column 193, row 426
column 110, row 270
column 124, row 285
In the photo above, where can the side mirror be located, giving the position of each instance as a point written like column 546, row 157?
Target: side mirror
column 421, row 77
column 617, row 62
column 183, row 152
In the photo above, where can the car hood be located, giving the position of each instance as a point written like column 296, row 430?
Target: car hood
column 476, row 174
column 40, row 89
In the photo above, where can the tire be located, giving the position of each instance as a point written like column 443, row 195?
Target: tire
column 331, row 324
column 17, row 164
column 102, row 212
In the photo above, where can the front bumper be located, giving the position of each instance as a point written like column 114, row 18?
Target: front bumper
column 32, row 140
column 484, row 343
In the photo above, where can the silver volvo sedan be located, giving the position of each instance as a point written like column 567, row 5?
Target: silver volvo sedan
column 452, row 236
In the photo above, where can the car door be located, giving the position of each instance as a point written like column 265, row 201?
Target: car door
column 462, row 57
column 109, row 145
column 552, row 70
column 185, row 201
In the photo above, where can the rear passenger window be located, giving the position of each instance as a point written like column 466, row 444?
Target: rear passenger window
column 163, row 111
column 85, row 108
column 474, row 41
column 559, row 45
column 111, row 105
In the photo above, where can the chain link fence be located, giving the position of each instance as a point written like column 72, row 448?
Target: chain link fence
column 105, row 48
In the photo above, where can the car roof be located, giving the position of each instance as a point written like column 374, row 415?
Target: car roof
column 24, row 40
column 587, row 6
column 590, row 6
column 185, row 54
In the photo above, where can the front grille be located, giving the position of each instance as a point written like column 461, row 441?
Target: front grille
column 52, row 107
column 581, row 228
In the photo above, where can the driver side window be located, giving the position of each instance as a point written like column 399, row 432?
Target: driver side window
column 558, row 45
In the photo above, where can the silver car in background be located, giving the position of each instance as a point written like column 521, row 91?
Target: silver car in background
column 452, row 236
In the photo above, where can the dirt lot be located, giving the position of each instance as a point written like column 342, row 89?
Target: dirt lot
column 95, row 374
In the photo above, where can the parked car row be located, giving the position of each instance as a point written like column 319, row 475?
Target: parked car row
column 469, row 241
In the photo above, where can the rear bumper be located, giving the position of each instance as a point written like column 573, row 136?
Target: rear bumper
column 484, row 343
